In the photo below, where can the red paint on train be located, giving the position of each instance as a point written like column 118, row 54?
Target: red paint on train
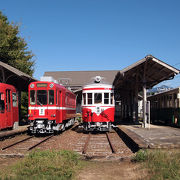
column 98, row 106
column 9, row 113
column 51, row 106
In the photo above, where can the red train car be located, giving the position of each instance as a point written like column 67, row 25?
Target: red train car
column 9, row 112
column 98, row 106
column 52, row 107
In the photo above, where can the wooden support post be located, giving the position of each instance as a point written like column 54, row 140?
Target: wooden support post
column 136, row 99
column 3, row 75
column 144, row 106
column 136, row 105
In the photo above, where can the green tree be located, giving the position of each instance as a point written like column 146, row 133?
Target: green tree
column 14, row 51
column 13, row 48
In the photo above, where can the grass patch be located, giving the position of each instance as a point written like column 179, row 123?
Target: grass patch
column 60, row 165
column 160, row 164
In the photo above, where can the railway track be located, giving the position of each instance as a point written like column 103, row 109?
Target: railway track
column 23, row 145
column 101, row 145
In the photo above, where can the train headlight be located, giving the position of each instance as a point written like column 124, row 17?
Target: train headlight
column 53, row 115
column 32, row 85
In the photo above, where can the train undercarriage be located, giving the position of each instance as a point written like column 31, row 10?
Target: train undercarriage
column 97, row 126
column 45, row 126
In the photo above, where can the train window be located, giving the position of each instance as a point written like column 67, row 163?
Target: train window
column 51, row 97
column 106, row 98
column 2, row 105
column 84, row 98
column 97, row 98
column 14, row 97
column 89, row 98
column 32, row 97
column 112, row 98
column 41, row 97
column 56, row 97
column 8, row 100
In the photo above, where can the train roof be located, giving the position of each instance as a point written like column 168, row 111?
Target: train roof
column 54, row 83
column 7, row 86
column 97, row 85
column 96, row 82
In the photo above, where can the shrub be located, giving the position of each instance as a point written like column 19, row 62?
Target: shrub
column 140, row 156
column 53, row 165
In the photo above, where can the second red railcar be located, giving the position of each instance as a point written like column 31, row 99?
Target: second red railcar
column 52, row 107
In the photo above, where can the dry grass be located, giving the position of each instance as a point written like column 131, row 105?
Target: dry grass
column 160, row 164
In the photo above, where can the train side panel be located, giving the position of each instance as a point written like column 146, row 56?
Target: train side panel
column 9, row 113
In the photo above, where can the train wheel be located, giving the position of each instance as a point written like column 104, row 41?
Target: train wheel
column 63, row 127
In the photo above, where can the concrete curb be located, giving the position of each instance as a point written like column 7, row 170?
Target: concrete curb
column 136, row 139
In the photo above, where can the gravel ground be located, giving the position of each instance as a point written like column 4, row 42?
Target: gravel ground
column 68, row 140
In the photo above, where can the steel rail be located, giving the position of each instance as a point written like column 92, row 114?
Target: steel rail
column 111, row 146
column 17, row 142
column 32, row 147
column 86, row 144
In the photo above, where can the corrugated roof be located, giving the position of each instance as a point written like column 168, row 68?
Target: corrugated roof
column 14, row 70
column 13, row 76
column 149, row 69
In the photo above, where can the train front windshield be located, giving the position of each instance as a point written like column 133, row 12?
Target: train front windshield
column 42, row 97
column 98, row 98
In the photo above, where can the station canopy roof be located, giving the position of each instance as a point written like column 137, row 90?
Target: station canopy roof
column 148, row 70
column 13, row 76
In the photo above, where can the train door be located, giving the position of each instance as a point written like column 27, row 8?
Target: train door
column 3, row 117
column 57, row 106
column 9, row 116
column 61, row 107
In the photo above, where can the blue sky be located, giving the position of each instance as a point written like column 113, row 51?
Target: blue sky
column 97, row 34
